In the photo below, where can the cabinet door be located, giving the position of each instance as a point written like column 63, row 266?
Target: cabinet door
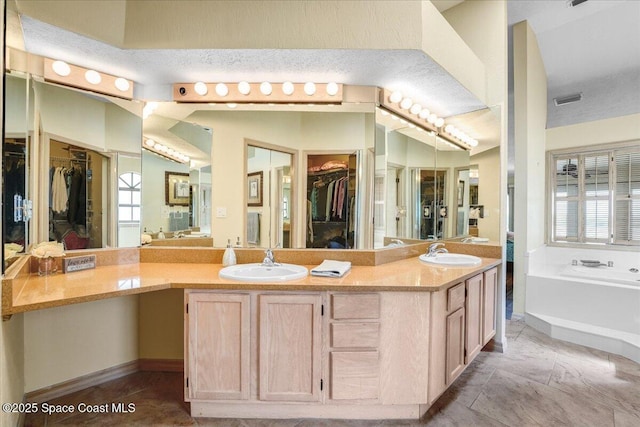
column 355, row 375
column 455, row 345
column 473, row 308
column 489, row 305
column 219, row 336
column 290, row 340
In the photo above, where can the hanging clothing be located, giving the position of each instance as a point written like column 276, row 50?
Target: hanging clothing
column 77, row 198
column 59, row 195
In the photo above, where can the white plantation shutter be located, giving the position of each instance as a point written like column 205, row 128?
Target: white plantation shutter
column 596, row 197
column 627, row 197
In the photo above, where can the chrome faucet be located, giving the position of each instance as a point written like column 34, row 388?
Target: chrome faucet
column 435, row 249
column 269, row 260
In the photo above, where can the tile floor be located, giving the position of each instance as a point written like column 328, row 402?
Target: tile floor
column 540, row 381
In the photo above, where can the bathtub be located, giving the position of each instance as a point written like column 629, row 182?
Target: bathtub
column 597, row 307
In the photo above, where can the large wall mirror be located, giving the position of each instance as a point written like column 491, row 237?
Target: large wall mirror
column 68, row 154
column 429, row 189
column 257, row 161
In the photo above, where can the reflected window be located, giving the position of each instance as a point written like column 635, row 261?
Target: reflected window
column 129, row 197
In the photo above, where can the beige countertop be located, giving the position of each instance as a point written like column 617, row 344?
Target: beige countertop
column 27, row 292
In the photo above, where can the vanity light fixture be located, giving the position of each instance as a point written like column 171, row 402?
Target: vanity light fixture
column 260, row 93
column 62, row 73
column 164, row 151
column 61, row 68
column 201, row 88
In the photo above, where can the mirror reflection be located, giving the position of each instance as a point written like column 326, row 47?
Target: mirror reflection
column 176, row 182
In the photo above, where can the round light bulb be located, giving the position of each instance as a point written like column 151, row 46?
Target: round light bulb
column 473, row 142
column 449, row 128
column 287, row 88
column 265, row 88
column 222, row 89
column 332, row 89
column 310, row 88
column 93, row 77
column 424, row 113
column 244, row 88
column 61, row 68
column 395, row 97
column 122, row 84
column 200, row 88
column 152, row 105
column 415, row 109
column 150, row 143
column 432, row 118
column 406, row 103
column 439, row 122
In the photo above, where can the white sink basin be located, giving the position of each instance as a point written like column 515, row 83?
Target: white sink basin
column 260, row 273
column 451, row 260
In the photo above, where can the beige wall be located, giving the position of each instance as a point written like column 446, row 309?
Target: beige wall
column 489, row 192
column 67, row 342
column 530, row 105
column 161, row 325
column 617, row 129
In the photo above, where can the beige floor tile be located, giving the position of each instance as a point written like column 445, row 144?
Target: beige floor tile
column 625, row 419
column 516, row 401
column 455, row 414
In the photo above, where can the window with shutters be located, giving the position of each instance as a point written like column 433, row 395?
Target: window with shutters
column 595, row 196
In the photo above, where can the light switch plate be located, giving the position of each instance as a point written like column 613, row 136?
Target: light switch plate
column 221, row 212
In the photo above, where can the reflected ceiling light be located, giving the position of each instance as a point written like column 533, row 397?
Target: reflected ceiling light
column 332, row 89
column 406, row 103
column 200, row 88
column 232, row 105
column 287, row 88
column 244, row 88
column 93, row 77
column 403, row 121
column 309, row 88
column 384, row 112
column 439, row 122
column 265, row 88
column 61, row 68
column 222, row 89
column 473, row 142
column 415, row 109
column 412, row 126
column 394, row 117
column 395, row 97
column 122, row 84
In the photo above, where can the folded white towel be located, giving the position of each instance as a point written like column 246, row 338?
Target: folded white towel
column 330, row 268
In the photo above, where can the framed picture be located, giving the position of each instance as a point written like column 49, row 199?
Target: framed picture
column 254, row 189
column 176, row 188
column 460, row 193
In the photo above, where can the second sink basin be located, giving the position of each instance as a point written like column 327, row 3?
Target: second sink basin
column 261, row 273
column 451, row 260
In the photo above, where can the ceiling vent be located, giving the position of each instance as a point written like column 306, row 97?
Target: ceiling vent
column 564, row 100
column 574, row 3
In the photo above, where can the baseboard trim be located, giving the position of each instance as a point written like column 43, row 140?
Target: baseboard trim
column 161, row 365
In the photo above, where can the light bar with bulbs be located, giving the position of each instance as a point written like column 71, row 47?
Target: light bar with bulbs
column 164, row 151
column 416, row 114
column 264, row 92
column 84, row 78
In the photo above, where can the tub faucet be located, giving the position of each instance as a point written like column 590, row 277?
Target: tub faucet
column 609, row 263
column 435, row 249
column 574, row 262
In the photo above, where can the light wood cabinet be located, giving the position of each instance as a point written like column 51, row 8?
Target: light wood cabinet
column 218, row 346
column 489, row 304
column 355, row 375
column 290, row 346
column 455, row 338
column 473, row 314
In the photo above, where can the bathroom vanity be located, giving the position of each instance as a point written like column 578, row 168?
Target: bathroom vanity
column 383, row 341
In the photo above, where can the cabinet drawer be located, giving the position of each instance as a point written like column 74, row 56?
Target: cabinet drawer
column 345, row 335
column 355, row 306
column 354, row 375
column 455, row 297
